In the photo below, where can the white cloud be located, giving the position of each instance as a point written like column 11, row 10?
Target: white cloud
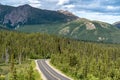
column 91, row 5
column 69, row 6
column 35, row 3
column 14, row 2
column 98, row 16
column 51, row 0
column 61, row 2
column 112, row 8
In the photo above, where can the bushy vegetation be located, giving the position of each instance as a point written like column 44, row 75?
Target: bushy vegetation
column 88, row 61
column 81, row 60
column 25, row 71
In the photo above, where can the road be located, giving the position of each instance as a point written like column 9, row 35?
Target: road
column 48, row 72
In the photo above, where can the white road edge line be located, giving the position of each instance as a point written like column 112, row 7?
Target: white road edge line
column 48, row 62
column 40, row 72
column 50, row 72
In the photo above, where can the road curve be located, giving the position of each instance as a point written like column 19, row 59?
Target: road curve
column 48, row 72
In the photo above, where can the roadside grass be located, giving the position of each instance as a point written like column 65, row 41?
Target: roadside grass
column 36, row 73
column 24, row 67
column 20, row 69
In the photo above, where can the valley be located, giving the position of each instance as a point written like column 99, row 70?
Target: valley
column 78, row 59
column 80, row 48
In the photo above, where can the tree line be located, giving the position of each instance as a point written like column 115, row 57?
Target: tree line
column 79, row 59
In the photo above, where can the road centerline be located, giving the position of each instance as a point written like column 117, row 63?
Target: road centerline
column 49, row 71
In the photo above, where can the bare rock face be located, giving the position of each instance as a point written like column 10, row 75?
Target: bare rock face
column 69, row 14
column 4, row 9
column 90, row 26
column 25, row 14
column 17, row 16
column 117, row 24
column 64, row 31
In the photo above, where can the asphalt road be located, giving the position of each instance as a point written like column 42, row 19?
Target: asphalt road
column 48, row 72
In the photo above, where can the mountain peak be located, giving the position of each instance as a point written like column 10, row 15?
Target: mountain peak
column 25, row 5
column 69, row 14
column 66, row 12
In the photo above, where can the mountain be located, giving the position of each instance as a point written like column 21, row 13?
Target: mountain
column 81, row 29
column 29, row 19
column 25, row 14
column 117, row 24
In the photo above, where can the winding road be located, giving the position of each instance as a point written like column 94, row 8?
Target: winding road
column 48, row 72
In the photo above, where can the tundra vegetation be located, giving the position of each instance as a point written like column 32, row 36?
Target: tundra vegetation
column 78, row 59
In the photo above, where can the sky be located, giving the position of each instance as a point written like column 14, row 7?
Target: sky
column 102, row 10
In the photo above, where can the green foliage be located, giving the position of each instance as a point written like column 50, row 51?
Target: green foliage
column 30, row 73
column 79, row 59
column 13, row 75
column 2, row 77
column 91, row 77
column 73, row 60
column 88, row 61
column 24, row 71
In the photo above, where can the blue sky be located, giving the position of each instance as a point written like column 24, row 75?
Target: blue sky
column 102, row 10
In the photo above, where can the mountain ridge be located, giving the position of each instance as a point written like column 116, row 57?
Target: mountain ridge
column 26, row 14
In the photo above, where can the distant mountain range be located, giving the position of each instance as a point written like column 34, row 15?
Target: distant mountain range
column 29, row 19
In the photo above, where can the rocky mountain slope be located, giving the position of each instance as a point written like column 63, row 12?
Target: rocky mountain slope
column 4, row 10
column 25, row 14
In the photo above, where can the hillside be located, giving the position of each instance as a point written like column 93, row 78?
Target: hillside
column 81, row 29
column 3, row 28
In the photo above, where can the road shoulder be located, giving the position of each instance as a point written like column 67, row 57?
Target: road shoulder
column 37, row 67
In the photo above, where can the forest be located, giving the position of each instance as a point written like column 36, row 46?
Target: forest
column 78, row 59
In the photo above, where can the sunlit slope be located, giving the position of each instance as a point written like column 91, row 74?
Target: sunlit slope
column 81, row 29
